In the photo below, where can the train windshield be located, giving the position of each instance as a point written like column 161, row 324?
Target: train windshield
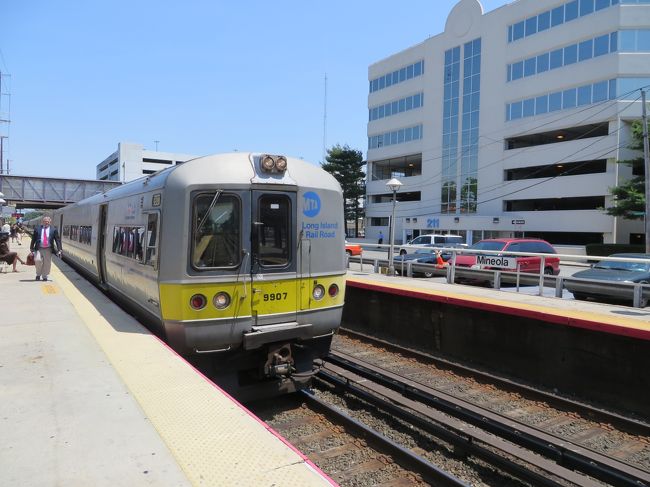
column 216, row 232
column 274, row 246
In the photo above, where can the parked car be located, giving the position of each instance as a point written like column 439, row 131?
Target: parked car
column 432, row 240
column 420, row 256
column 610, row 271
column 352, row 249
column 530, row 264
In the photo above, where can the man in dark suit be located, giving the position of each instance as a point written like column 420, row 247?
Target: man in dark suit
column 45, row 241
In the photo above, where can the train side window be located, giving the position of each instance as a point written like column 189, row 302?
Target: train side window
column 151, row 239
column 127, row 241
column 274, row 241
column 216, row 230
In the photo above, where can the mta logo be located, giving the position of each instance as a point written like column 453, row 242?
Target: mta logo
column 310, row 204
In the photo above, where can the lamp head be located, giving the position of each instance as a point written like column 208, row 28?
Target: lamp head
column 394, row 184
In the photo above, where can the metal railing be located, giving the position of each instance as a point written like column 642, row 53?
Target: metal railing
column 638, row 293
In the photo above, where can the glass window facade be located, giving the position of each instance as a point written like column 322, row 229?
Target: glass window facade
column 572, row 97
column 559, row 15
column 398, row 76
column 396, row 167
column 470, row 124
column 582, row 51
column 450, row 113
column 400, row 136
column 395, row 107
column 634, row 40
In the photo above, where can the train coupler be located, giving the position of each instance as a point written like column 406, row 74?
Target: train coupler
column 279, row 361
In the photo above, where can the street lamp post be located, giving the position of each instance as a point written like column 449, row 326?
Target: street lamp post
column 394, row 186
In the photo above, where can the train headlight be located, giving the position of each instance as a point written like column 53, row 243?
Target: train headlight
column 318, row 292
column 221, row 300
column 333, row 290
column 268, row 163
column 198, row 301
column 281, row 164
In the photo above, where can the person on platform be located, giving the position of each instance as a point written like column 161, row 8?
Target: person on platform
column 45, row 241
column 380, row 240
column 14, row 234
column 6, row 255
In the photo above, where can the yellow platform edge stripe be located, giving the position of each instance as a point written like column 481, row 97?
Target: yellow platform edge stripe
column 214, row 439
column 580, row 315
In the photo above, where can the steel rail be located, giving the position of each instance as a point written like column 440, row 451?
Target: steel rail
column 561, row 451
column 629, row 425
column 428, row 470
column 452, row 431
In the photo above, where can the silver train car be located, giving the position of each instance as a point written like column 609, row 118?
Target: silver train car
column 236, row 260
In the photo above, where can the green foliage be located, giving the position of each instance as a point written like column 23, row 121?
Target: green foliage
column 629, row 197
column 346, row 165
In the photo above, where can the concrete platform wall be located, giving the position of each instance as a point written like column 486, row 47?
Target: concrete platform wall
column 592, row 366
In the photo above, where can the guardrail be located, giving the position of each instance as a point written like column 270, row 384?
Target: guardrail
column 638, row 293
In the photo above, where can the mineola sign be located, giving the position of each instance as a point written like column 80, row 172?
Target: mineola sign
column 496, row 261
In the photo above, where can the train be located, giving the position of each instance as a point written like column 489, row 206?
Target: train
column 235, row 260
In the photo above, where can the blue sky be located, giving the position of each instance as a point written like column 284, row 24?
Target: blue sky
column 201, row 77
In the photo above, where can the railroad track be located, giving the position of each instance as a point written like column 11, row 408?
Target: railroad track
column 531, row 440
column 348, row 451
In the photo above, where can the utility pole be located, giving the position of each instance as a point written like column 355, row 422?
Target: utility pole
column 646, row 165
column 325, row 123
column 156, row 142
column 2, row 140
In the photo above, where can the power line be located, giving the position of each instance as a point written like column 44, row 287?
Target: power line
column 564, row 159
column 607, row 104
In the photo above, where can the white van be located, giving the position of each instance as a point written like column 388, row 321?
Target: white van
column 432, row 240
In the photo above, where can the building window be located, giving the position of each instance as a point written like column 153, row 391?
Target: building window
column 556, row 170
column 379, row 221
column 572, row 97
column 395, row 107
column 392, row 138
column 559, row 15
column 397, row 167
column 450, row 123
column 582, row 51
column 555, row 204
column 402, row 197
column 468, row 178
column 557, row 136
column 398, row 76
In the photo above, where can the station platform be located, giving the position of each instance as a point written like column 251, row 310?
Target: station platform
column 90, row 397
column 615, row 319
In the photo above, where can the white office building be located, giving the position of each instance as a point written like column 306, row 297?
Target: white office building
column 509, row 122
column 132, row 161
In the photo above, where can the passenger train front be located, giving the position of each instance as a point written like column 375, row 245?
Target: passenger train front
column 236, row 260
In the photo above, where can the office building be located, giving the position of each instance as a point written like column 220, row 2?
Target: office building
column 510, row 122
column 132, row 161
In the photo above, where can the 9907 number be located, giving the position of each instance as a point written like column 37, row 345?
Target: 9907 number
column 275, row 296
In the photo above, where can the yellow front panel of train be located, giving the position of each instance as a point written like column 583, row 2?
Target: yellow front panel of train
column 265, row 297
column 274, row 297
column 175, row 301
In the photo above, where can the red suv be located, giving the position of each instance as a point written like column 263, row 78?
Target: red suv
column 529, row 264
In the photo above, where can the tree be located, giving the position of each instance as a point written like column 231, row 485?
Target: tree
column 629, row 198
column 346, row 165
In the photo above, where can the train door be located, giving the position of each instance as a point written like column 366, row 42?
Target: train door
column 274, row 296
column 101, row 243
column 148, row 251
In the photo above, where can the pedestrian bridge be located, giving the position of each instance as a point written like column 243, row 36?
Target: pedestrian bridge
column 49, row 193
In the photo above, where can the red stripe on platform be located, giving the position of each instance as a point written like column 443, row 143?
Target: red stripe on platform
column 510, row 310
column 247, row 411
